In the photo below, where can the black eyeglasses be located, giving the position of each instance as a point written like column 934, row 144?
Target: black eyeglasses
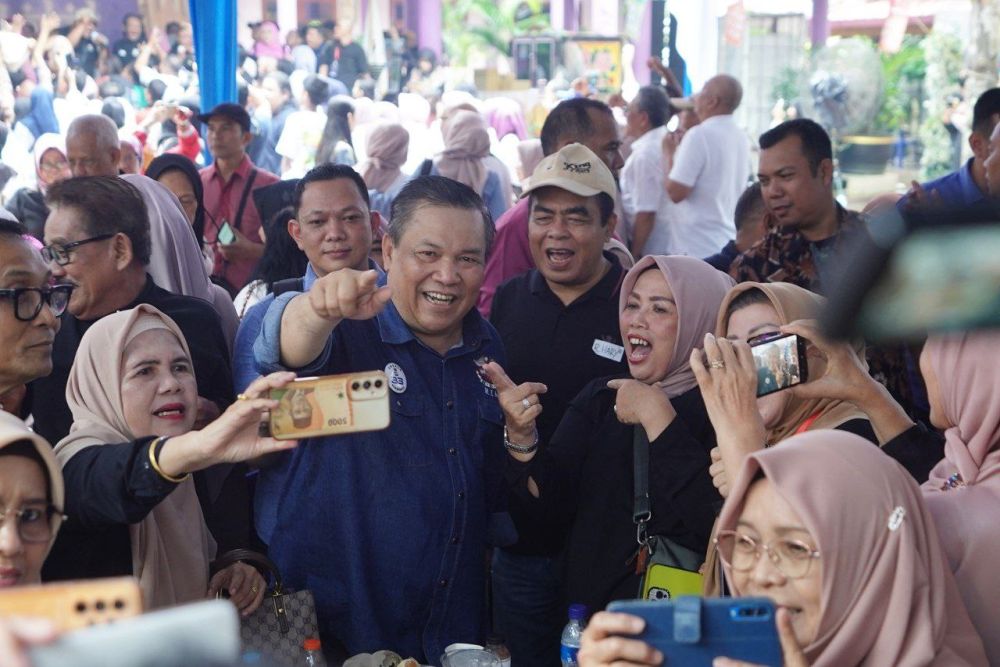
column 34, row 522
column 28, row 300
column 60, row 253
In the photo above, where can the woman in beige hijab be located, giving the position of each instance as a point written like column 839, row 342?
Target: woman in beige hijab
column 130, row 453
column 837, row 534
column 31, row 502
column 745, row 423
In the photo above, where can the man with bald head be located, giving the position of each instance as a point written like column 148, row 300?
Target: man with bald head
column 710, row 167
column 92, row 146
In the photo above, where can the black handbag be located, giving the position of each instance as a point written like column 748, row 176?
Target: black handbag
column 283, row 622
column 668, row 569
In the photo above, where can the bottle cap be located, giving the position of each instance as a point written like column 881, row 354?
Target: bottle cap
column 577, row 612
column 311, row 644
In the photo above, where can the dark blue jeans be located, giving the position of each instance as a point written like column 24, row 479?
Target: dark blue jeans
column 528, row 607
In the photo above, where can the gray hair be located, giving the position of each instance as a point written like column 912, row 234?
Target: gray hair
column 103, row 128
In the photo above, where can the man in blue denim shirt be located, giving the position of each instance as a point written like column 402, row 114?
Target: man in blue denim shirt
column 333, row 226
column 389, row 529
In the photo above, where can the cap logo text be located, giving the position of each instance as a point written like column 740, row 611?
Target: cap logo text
column 577, row 167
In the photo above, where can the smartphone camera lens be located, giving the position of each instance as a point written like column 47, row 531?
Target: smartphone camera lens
column 368, row 384
column 356, row 386
column 378, row 384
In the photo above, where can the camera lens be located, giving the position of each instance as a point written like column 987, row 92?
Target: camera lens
column 368, row 384
column 355, row 386
column 378, row 384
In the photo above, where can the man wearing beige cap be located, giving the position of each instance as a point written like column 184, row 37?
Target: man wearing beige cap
column 559, row 325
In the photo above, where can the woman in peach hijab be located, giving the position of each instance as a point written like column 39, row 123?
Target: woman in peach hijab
column 837, row 534
column 963, row 493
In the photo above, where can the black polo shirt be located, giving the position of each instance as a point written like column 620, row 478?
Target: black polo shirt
column 564, row 347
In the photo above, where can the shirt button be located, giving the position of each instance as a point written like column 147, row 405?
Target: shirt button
column 443, row 583
column 452, row 451
column 454, row 540
column 461, row 495
column 450, row 404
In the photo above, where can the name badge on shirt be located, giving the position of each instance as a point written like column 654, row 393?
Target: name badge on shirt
column 608, row 350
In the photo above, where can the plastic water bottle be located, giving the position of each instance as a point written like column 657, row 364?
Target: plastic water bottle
column 570, row 642
column 312, row 648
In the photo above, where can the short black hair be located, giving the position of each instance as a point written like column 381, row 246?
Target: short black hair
column 281, row 79
column 329, row 172
column 816, row 144
column 985, row 111
column 751, row 200
column 436, row 191
column 317, row 89
column 605, row 204
column 653, row 101
column 570, row 118
column 12, row 228
column 115, row 110
column 94, row 197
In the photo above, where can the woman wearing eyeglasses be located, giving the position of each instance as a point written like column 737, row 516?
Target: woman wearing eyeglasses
column 28, row 204
column 837, row 534
column 31, row 502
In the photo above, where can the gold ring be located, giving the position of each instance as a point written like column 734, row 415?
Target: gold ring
column 253, row 589
column 242, row 397
column 717, row 364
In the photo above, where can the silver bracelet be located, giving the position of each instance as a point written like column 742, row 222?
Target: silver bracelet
column 519, row 449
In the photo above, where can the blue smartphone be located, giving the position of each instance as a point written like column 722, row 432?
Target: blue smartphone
column 692, row 631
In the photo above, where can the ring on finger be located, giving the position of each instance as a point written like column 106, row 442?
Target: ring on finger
column 717, row 363
column 253, row 589
column 526, row 402
column 242, row 397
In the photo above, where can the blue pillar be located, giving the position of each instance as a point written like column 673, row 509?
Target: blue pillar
column 214, row 25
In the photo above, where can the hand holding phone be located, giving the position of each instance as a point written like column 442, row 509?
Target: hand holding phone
column 695, row 631
column 781, row 361
column 331, row 405
column 226, row 235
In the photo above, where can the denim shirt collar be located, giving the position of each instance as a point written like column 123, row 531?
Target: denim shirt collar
column 970, row 191
column 394, row 331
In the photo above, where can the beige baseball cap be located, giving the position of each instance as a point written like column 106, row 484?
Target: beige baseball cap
column 574, row 168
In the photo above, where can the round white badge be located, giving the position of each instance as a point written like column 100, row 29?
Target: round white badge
column 397, row 378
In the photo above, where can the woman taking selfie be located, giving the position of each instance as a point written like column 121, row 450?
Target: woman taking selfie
column 581, row 481
column 837, row 535
column 130, row 455
column 752, row 313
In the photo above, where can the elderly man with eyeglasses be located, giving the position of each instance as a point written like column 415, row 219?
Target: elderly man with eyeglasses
column 98, row 241
column 29, row 316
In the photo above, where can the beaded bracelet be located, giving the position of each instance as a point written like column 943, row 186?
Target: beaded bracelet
column 154, row 453
column 519, row 449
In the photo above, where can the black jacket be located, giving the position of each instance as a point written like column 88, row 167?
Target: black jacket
column 586, row 482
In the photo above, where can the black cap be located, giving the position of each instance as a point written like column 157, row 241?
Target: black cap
column 229, row 110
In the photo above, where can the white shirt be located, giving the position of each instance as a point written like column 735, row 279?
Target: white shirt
column 299, row 141
column 714, row 159
column 643, row 192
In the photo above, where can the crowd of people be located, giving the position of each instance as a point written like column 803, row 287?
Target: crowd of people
column 549, row 312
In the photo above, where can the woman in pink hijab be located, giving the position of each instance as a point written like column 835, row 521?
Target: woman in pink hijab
column 466, row 148
column 581, row 480
column 853, row 562
column 269, row 41
column 962, row 373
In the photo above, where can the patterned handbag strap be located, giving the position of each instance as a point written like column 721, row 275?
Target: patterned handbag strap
column 255, row 558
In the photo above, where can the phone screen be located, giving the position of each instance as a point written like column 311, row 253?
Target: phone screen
column 780, row 362
column 226, row 234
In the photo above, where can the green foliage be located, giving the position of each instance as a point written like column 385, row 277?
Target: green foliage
column 903, row 73
column 786, row 85
column 943, row 55
column 486, row 26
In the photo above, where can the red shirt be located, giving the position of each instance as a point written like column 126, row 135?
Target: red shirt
column 222, row 202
